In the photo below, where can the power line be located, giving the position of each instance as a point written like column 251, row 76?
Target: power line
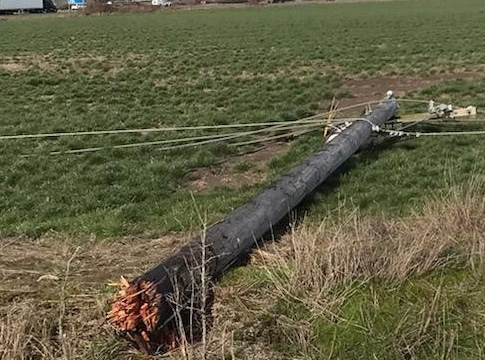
column 209, row 139
column 442, row 133
column 309, row 119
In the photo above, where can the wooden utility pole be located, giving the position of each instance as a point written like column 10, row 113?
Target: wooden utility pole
column 163, row 307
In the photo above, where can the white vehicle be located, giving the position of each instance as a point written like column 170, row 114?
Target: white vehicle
column 10, row 6
column 162, row 3
column 76, row 4
column 77, row 7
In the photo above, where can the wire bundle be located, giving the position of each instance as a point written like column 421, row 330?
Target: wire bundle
column 264, row 132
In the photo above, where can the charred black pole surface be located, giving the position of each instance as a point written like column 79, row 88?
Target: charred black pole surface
column 152, row 309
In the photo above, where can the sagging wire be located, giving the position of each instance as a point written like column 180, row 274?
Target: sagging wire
column 269, row 138
column 311, row 121
column 417, row 122
column 210, row 138
column 149, row 130
column 193, row 141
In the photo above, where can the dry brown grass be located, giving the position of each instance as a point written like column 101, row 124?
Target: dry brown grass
column 55, row 291
column 313, row 260
column 27, row 332
column 14, row 330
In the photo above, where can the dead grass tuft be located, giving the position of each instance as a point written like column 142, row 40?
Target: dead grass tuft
column 450, row 231
column 13, row 330
column 55, row 294
column 24, row 334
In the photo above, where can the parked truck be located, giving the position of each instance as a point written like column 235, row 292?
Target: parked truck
column 32, row 6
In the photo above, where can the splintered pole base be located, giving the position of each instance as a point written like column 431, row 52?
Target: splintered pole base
column 135, row 315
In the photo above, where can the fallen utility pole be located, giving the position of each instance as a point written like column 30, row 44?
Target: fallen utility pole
column 169, row 303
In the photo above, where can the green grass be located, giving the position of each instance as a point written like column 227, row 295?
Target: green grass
column 247, row 65
column 438, row 315
column 213, row 67
column 400, row 178
column 433, row 317
column 410, row 288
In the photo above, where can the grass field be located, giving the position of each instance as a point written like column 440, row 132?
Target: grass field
column 227, row 66
column 201, row 67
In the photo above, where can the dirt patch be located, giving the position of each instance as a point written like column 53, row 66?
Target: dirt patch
column 245, row 170
column 12, row 67
column 60, row 283
column 92, row 64
column 26, row 266
column 363, row 90
column 210, row 178
column 299, row 69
